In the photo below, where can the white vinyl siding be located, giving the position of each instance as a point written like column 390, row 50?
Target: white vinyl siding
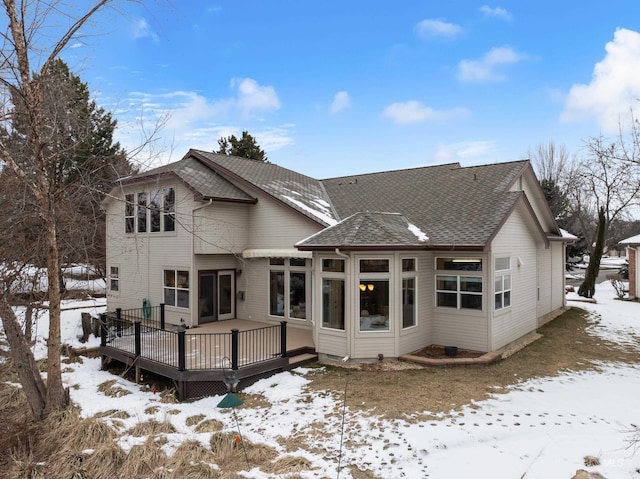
column 221, row 228
column 516, row 240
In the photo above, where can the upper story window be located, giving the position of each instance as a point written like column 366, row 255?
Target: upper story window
column 150, row 211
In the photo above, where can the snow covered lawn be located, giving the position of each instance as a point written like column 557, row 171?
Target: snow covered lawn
column 540, row 428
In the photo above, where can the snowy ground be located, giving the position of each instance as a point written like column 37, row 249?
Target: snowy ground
column 540, row 429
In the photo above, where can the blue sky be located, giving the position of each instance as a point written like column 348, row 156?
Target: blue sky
column 331, row 88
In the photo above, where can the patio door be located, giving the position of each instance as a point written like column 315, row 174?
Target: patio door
column 216, row 294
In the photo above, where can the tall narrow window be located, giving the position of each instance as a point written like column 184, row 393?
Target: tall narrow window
column 114, row 278
column 276, row 296
column 142, row 212
column 129, row 213
column 155, row 205
column 374, row 295
column 169, row 210
column 333, row 303
column 408, row 292
column 502, row 285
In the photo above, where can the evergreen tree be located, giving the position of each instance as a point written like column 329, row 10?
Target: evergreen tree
column 244, row 147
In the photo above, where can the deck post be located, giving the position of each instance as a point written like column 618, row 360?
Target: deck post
column 161, row 315
column 234, row 348
column 181, row 351
column 137, row 339
column 119, row 322
column 283, row 339
column 103, row 329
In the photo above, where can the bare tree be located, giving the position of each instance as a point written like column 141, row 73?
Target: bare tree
column 20, row 52
column 607, row 181
column 551, row 163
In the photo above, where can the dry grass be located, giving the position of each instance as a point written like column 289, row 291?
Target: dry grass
column 151, row 428
column 111, row 389
column 143, row 459
column 193, row 420
column 566, row 345
column 210, row 425
column 288, row 464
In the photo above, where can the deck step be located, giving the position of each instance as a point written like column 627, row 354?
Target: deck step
column 301, row 359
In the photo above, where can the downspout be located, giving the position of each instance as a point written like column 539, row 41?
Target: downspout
column 349, row 333
column 192, row 293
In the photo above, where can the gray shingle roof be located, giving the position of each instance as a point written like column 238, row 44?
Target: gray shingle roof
column 368, row 229
column 200, row 178
column 451, row 204
column 299, row 191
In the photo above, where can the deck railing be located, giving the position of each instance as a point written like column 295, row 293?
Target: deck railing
column 185, row 350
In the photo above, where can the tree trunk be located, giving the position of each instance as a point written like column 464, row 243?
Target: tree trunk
column 23, row 360
column 56, row 395
column 588, row 287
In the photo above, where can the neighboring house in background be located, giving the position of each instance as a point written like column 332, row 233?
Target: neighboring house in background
column 382, row 263
column 633, row 256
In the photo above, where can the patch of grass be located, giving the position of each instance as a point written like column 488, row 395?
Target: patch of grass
column 143, row 459
column 151, row 428
column 210, row 425
column 193, row 420
column 567, row 345
column 288, row 464
column 110, row 388
column 114, row 413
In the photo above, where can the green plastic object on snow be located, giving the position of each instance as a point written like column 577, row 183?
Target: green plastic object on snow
column 230, row 400
column 146, row 308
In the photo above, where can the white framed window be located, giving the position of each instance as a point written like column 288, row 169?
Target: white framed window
column 150, row 211
column 463, row 290
column 333, row 293
column 176, row 288
column 374, row 279
column 288, row 279
column 409, row 284
column 502, row 282
column 114, row 278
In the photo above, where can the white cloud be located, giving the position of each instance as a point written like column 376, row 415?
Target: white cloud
column 341, row 100
column 614, row 86
column 191, row 120
column 433, row 28
column 414, row 111
column 253, row 97
column 142, row 29
column 486, row 68
column 496, row 12
column 466, row 152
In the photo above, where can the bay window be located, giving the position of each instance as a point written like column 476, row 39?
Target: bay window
column 333, row 297
column 288, row 287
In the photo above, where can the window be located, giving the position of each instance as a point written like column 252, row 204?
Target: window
column 288, row 276
column 462, row 291
column 502, row 286
column 408, row 292
column 333, row 265
column 142, row 212
column 333, row 303
column 176, row 288
column 155, row 205
column 169, row 210
column 114, row 279
column 374, row 295
column 154, row 210
column 129, row 213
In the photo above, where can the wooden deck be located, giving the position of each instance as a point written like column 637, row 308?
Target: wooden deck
column 198, row 366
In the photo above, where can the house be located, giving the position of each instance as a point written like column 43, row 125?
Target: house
column 633, row 255
column 374, row 264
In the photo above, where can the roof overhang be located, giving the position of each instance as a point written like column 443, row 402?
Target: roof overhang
column 276, row 253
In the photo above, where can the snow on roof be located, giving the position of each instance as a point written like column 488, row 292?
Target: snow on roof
column 566, row 234
column 418, row 232
column 324, row 215
column 633, row 240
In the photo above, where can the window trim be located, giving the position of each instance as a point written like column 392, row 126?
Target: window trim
column 176, row 288
column 502, row 273
column 333, row 269
column 372, row 274
column 115, row 280
column 286, row 267
column 405, row 275
column 458, row 274
column 153, row 211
